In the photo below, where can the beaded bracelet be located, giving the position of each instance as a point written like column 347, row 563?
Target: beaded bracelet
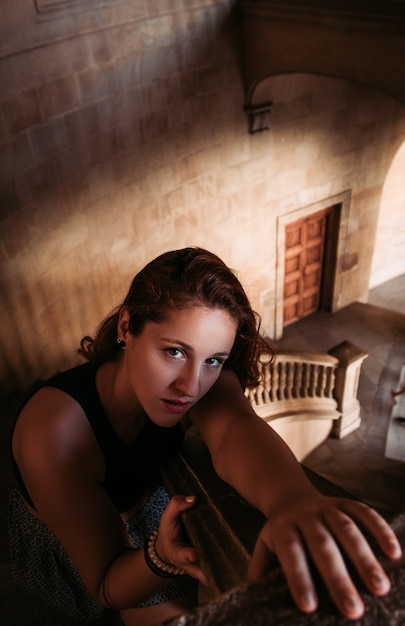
column 155, row 563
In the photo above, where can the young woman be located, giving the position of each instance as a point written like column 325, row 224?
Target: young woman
column 87, row 448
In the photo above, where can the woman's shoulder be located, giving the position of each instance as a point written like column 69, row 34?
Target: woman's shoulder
column 52, row 429
column 57, row 398
column 54, row 449
column 61, row 394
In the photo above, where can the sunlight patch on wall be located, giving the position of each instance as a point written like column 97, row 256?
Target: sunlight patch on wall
column 389, row 250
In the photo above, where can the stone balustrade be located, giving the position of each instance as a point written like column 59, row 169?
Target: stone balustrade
column 307, row 396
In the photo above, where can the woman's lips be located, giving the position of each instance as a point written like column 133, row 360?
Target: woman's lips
column 174, row 406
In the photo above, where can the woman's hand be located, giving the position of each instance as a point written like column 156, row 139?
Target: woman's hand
column 321, row 529
column 170, row 543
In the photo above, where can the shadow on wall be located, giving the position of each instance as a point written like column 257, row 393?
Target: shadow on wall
column 103, row 130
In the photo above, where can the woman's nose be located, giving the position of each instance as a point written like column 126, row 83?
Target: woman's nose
column 188, row 382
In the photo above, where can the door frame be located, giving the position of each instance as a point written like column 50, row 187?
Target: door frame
column 335, row 245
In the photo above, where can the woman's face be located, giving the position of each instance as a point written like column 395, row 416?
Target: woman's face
column 172, row 364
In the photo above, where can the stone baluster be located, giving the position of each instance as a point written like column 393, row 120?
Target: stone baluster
column 306, row 380
column 274, row 382
column 322, row 380
column 267, row 383
column 330, row 384
column 298, row 380
column 313, row 380
column 282, row 380
column 290, row 380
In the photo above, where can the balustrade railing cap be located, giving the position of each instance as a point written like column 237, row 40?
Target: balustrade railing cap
column 347, row 352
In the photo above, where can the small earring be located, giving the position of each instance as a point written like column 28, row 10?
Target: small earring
column 121, row 342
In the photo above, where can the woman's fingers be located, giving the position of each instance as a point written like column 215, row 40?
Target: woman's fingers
column 177, row 505
column 185, row 554
column 170, row 527
column 196, row 572
column 355, row 545
column 322, row 531
column 263, row 558
column 376, row 525
column 293, row 560
column 170, row 544
column 299, row 576
column 292, row 547
column 329, row 561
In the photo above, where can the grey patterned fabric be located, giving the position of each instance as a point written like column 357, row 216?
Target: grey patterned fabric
column 45, row 578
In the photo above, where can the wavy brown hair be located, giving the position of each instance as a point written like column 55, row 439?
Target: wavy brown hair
column 179, row 280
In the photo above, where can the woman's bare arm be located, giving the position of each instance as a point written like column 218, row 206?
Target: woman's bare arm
column 246, row 452
column 251, row 457
column 63, row 468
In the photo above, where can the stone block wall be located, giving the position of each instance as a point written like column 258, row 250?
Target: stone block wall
column 123, row 135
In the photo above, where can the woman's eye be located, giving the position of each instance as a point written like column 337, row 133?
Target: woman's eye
column 215, row 362
column 176, row 353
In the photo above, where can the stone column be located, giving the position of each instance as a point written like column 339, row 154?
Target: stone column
column 347, row 377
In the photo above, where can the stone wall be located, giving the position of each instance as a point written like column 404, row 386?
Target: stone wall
column 123, row 135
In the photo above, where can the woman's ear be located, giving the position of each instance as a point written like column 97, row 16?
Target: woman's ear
column 123, row 323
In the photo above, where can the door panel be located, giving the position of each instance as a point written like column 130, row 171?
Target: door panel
column 304, row 255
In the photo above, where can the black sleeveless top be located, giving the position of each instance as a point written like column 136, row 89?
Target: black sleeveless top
column 130, row 470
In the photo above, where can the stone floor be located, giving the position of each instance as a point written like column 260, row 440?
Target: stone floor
column 357, row 463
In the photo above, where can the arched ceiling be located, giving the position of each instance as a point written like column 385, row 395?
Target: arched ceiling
column 349, row 39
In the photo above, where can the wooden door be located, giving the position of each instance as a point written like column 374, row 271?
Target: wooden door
column 304, row 257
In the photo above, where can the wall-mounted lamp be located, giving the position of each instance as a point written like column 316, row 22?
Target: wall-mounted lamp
column 258, row 116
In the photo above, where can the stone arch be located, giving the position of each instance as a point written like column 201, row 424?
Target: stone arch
column 361, row 42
